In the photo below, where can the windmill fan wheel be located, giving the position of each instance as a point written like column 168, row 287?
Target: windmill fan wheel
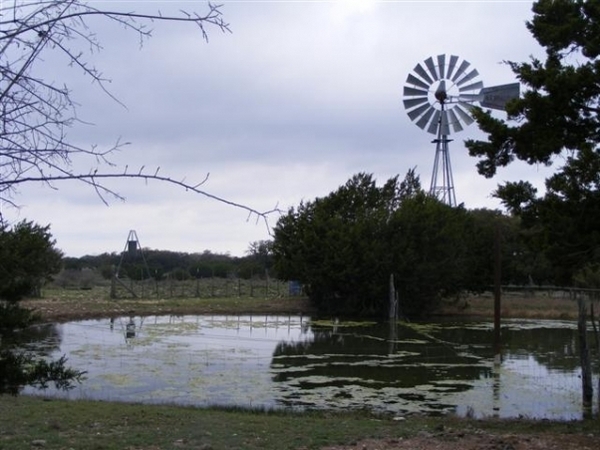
column 439, row 94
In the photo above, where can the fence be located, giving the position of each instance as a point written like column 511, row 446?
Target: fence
column 572, row 293
column 202, row 288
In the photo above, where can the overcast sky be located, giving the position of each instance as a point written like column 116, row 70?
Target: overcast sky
column 298, row 98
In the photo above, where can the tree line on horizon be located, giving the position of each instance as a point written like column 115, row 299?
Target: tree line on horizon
column 165, row 264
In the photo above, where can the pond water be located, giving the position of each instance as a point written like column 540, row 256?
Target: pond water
column 296, row 362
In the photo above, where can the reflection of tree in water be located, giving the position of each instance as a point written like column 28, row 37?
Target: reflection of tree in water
column 414, row 366
column 363, row 354
column 554, row 348
column 550, row 344
column 41, row 339
column 25, row 359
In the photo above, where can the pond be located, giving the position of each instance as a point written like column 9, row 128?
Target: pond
column 296, row 362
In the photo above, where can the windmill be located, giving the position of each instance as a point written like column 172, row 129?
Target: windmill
column 133, row 253
column 438, row 96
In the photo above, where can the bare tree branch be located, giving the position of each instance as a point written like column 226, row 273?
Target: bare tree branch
column 35, row 113
column 94, row 177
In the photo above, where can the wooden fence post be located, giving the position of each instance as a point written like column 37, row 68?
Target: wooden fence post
column 497, row 289
column 584, row 355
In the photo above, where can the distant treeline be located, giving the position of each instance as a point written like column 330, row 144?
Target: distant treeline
column 164, row 264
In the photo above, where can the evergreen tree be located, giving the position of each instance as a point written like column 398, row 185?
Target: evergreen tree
column 344, row 247
column 557, row 118
column 28, row 258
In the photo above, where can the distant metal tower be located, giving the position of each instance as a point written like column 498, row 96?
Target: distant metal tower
column 132, row 252
column 438, row 96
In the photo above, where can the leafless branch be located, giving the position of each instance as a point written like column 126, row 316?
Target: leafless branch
column 93, row 179
column 35, row 113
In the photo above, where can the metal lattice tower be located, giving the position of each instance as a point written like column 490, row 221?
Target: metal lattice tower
column 132, row 251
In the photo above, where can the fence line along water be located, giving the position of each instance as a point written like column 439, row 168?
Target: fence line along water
column 202, row 288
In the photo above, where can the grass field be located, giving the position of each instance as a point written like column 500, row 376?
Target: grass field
column 69, row 304
column 516, row 305
column 29, row 422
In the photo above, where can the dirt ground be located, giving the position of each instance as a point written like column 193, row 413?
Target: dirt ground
column 480, row 441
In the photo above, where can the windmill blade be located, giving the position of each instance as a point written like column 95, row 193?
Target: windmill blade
column 440, row 92
column 467, row 107
column 416, row 82
column 433, row 125
column 442, row 65
column 451, row 66
column 461, row 69
column 463, row 111
column 468, row 77
column 418, row 111
column 431, row 67
column 412, row 92
column 455, row 121
column 470, row 98
column 477, row 86
column 412, row 102
column 422, row 73
column 422, row 122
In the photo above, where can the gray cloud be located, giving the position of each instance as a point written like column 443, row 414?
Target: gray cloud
column 287, row 107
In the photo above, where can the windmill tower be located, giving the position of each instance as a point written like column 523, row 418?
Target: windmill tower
column 438, row 96
column 132, row 253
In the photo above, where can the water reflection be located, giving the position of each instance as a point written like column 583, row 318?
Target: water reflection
column 296, row 362
column 43, row 339
column 361, row 367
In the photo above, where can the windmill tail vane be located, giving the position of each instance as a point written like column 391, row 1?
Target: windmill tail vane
column 438, row 97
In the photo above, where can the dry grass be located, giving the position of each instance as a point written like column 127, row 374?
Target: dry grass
column 540, row 305
column 67, row 304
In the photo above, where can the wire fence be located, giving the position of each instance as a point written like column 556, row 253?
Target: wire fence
column 558, row 292
column 203, row 288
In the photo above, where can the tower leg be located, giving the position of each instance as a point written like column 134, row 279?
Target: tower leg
column 442, row 189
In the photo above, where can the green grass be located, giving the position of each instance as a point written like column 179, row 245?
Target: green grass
column 104, row 425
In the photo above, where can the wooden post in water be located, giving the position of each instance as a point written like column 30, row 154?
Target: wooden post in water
column 597, row 342
column 497, row 289
column 393, row 300
column 584, row 355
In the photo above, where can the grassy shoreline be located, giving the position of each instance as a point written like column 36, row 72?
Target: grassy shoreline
column 64, row 305
column 64, row 424
column 61, row 305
